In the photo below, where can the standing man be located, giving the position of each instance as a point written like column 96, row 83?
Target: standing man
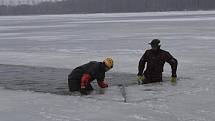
column 155, row 59
column 79, row 79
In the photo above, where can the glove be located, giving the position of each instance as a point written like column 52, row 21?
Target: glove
column 83, row 91
column 102, row 84
column 173, row 79
column 140, row 79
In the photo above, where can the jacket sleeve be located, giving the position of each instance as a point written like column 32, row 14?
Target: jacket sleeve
column 173, row 63
column 142, row 63
column 84, row 80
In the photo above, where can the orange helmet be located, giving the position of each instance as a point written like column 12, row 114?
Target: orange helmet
column 108, row 62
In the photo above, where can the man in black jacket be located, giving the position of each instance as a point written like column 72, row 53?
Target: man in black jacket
column 79, row 79
column 155, row 59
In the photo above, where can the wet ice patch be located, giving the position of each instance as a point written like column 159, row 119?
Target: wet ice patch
column 51, row 80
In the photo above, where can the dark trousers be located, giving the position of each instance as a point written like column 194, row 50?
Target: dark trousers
column 152, row 77
column 74, row 85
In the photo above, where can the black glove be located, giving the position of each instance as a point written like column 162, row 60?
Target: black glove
column 83, row 91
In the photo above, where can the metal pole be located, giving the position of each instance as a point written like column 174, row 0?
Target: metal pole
column 124, row 95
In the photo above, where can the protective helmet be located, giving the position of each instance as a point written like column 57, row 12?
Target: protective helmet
column 108, row 62
column 155, row 43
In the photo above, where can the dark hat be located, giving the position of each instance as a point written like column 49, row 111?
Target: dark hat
column 155, row 42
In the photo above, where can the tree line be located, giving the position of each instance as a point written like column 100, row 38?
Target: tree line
column 105, row 6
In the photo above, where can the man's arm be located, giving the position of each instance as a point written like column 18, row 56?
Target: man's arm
column 84, row 82
column 142, row 63
column 173, row 63
column 100, row 80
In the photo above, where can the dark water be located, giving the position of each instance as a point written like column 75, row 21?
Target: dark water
column 51, row 80
column 47, row 79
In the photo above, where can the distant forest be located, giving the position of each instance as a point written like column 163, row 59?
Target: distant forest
column 105, row 6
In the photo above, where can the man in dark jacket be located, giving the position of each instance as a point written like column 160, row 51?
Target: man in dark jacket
column 155, row 59
column 79, row 79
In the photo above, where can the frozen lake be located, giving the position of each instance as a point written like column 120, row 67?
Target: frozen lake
column 37, row 53
column 67, row 41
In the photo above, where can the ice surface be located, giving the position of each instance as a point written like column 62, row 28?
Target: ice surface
column 66, row 41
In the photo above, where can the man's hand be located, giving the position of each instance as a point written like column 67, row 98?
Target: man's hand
column 140, row 79
column 173, row 79
column 102, row 84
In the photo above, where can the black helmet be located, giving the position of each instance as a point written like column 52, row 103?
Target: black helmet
column 155, row 43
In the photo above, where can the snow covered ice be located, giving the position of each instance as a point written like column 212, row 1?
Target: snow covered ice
column 37, row 53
